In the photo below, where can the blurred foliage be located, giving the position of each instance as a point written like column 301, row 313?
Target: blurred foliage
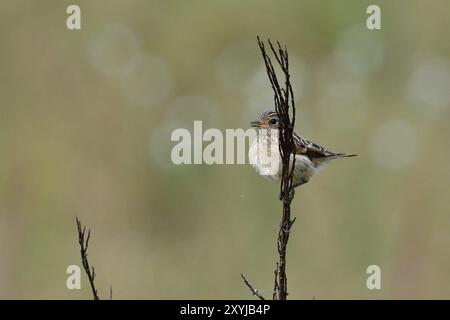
column 85, row 122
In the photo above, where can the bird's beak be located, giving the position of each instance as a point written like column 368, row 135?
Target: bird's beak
column 257, row 124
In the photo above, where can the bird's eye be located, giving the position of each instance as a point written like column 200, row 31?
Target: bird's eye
column 273, row 121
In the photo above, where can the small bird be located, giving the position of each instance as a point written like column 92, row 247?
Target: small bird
column 265, row 157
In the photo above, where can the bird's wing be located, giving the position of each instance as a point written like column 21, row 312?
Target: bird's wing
column 310, row 149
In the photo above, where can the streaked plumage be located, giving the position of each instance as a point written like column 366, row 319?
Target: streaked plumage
column 264, row 154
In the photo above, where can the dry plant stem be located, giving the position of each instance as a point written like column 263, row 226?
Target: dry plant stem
column 284, row 105
column 275, row 287
column 253, row 290
column 84, row 244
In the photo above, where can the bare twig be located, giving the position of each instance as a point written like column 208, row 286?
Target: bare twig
column 84, row 244
column 254, row 291
column 275, row 287
column 284, row 106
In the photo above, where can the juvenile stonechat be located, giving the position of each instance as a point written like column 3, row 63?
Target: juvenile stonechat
column 265, row 157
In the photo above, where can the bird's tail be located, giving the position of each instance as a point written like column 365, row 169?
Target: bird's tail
column 341, row 155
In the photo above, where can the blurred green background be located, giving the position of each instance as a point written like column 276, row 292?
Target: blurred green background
column 85, row 123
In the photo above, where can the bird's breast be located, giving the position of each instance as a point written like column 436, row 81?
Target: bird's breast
column 264, row 156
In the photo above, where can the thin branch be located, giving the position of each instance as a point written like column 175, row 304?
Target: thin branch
column 254, row 291
column 284, row 106
column 275, row 287
column 84, row 244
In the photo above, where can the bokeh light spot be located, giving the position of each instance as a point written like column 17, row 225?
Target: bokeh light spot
column 237, row 64
column 112, row 49
column 394, row 145
column 148, row 82
column 429, row 86
column 343, row 104
column 359, row 52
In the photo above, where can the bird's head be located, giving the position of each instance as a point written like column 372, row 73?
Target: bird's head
column 266, row 120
